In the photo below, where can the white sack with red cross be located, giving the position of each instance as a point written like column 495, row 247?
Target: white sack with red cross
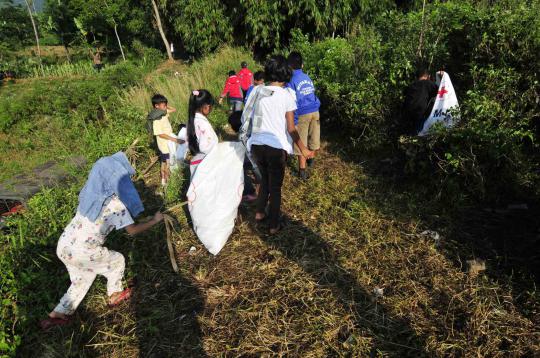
column 445, row 107
column 215, row 193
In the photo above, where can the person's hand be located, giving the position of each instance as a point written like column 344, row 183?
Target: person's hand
column 180, row 141
column 308, row 154
column 220, row 100
column 158, row 217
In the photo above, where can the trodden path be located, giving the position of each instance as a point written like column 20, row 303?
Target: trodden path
column 345, row 277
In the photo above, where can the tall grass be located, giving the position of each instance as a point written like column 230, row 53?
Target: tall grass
column 209, row 73
column 63, row 70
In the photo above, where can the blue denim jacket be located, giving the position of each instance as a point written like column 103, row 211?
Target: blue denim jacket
column 109, row 175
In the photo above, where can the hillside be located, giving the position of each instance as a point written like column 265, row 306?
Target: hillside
column 351, row 274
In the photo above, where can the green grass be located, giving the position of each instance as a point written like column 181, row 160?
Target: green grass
column 307, row 292
column 63, row 70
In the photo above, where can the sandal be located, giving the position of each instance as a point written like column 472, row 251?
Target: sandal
column 50, row 322
column 123, row 296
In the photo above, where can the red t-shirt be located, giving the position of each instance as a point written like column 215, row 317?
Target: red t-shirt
column 232, row 87
column 246, row 78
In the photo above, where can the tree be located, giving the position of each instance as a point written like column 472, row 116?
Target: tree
column 15, row 27
column 35, row 34
column 202, row 25
column 60, row 16
column 161, row 32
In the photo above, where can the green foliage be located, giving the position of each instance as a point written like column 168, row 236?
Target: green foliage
column 15, row 28
column 29, row 263
column 491, row 56
column 87, row 99
column 201, row 25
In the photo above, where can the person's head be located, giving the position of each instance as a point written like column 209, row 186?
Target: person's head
column 200, row 101
column 276, row 69
column 422, row 73
column 243, row 64
column 159, row 101
column 258, row 78
column 295, row 60
column 231, row 73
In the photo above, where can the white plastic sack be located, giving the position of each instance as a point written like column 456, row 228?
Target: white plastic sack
column 178, row 151
column 445, row 103
column 215, row 192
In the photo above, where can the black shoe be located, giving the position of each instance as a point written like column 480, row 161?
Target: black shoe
column 310, row 162
column 303, row 174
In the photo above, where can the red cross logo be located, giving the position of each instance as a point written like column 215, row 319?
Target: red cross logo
column 442, row 92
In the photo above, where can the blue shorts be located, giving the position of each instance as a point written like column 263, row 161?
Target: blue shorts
column 163, row 157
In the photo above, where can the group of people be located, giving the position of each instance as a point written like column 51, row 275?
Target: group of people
column 283, row 99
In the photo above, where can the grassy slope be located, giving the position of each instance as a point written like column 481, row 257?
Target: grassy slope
column 305, row 292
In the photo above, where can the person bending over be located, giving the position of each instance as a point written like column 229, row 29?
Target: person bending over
column 107, row 202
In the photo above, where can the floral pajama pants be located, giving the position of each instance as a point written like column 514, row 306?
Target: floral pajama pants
column 83, row 267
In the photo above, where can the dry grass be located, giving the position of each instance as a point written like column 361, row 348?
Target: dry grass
column 307, row 292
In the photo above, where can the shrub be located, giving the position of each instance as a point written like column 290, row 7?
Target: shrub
column 491, row 55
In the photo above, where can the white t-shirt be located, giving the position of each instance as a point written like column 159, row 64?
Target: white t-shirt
column 273, row 131
column 87, row 235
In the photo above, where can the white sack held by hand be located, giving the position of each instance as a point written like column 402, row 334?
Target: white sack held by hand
column 215, row 192
column 445, row 103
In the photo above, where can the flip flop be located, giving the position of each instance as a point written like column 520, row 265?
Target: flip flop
column 124, row 296
column 50, row 322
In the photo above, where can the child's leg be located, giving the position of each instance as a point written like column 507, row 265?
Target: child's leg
column 262, row 199
column 167, row 171
column 303, row 131
column 112, row 266
column 314, row 141
column 81, row 280
column 276, row 172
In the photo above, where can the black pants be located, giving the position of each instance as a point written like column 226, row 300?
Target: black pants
column 271, row 163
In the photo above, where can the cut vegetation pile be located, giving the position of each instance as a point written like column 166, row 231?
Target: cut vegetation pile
column 349, row 275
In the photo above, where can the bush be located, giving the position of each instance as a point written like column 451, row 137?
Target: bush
column 491, row 55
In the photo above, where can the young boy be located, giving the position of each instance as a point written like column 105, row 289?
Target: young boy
column 246, row 78
column 234, row 90
column 307, row 114
column 258, row 79
column 162, row 132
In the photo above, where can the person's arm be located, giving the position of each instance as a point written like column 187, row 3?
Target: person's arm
column 224, row 92
column 135, row 229
column 291, row 128
column 168, row 137
column 171, row 109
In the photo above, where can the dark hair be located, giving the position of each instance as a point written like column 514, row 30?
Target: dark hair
column 276, row 69
column 158, row 98
column 258, row 76
column 235, row 120
column 232, row 73
column 243, row 64
column 421, row 72
column 195, row 103
column 295, row 60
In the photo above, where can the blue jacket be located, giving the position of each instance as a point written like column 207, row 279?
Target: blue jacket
column 306, row 100
column 109, row 175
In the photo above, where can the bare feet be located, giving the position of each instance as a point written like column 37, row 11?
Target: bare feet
column 259, row 216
